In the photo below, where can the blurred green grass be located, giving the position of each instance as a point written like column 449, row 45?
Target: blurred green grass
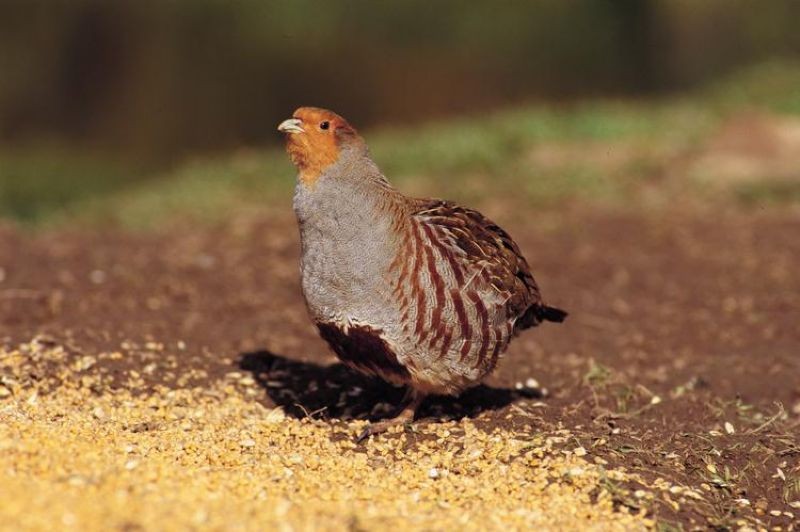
column 532, row 156
column 37, row 182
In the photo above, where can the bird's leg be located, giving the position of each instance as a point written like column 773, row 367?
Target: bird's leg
column 404, row 414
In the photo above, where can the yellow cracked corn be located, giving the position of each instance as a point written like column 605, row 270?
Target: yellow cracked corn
column 76, row 458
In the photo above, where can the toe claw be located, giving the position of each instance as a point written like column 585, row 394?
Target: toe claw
column 404, row 417
column 363, row 435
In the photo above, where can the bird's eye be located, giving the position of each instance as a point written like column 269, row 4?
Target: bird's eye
column 325, row 125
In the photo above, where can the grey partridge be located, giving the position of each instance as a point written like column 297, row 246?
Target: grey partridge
column 422, row 293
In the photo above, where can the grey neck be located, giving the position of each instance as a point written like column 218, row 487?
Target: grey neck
column 346, row 194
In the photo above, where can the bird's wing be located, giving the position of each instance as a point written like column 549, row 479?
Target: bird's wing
column 486, row 254
column 487, row 283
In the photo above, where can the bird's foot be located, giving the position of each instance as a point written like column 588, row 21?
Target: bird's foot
column 408, row 408
column 380, row 427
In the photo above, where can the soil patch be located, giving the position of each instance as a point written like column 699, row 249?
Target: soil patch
column 680, row 362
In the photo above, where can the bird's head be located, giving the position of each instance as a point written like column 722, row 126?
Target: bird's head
column 315, row 138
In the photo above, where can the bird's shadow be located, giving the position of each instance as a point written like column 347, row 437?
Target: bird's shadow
column 335, row 391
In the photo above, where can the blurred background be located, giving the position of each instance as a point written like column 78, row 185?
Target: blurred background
column 101, row 98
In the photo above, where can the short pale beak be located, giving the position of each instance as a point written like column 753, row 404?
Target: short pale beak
column 292, row 125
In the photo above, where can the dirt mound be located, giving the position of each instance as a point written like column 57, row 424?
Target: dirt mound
column 750, row 148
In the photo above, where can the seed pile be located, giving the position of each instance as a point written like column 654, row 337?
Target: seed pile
column 77, row 453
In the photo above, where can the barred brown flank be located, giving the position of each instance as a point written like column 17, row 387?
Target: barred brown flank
column 410, row 267
column 417, row 261
column 446, row 253
column 438, row 334
column 438, row 331
column 465, row 349
column 498, row 345
column 461, row 312
column 484, row 318
column 448, row 339
column 438, row 284
column 419, row 328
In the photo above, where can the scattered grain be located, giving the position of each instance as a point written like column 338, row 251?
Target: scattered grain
column 99, row 459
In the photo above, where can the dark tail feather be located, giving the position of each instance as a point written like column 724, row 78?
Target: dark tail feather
column 536, row 314
column 552, row 314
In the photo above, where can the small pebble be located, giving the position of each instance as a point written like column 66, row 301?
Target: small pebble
column 97, row 276
column 729, row 428
column 86, row 362
column 276, row 415
column 77, row 480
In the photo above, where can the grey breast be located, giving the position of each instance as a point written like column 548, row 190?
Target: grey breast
column 346, row 250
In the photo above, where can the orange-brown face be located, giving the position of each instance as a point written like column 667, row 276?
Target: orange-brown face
column 314, row 138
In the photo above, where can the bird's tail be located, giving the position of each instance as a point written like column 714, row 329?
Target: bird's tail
column 536, row 314
column 552, row 314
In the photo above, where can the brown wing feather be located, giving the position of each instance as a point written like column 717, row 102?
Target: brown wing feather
column 486, row 251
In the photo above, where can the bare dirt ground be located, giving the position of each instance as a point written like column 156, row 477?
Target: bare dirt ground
column 679, row 363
